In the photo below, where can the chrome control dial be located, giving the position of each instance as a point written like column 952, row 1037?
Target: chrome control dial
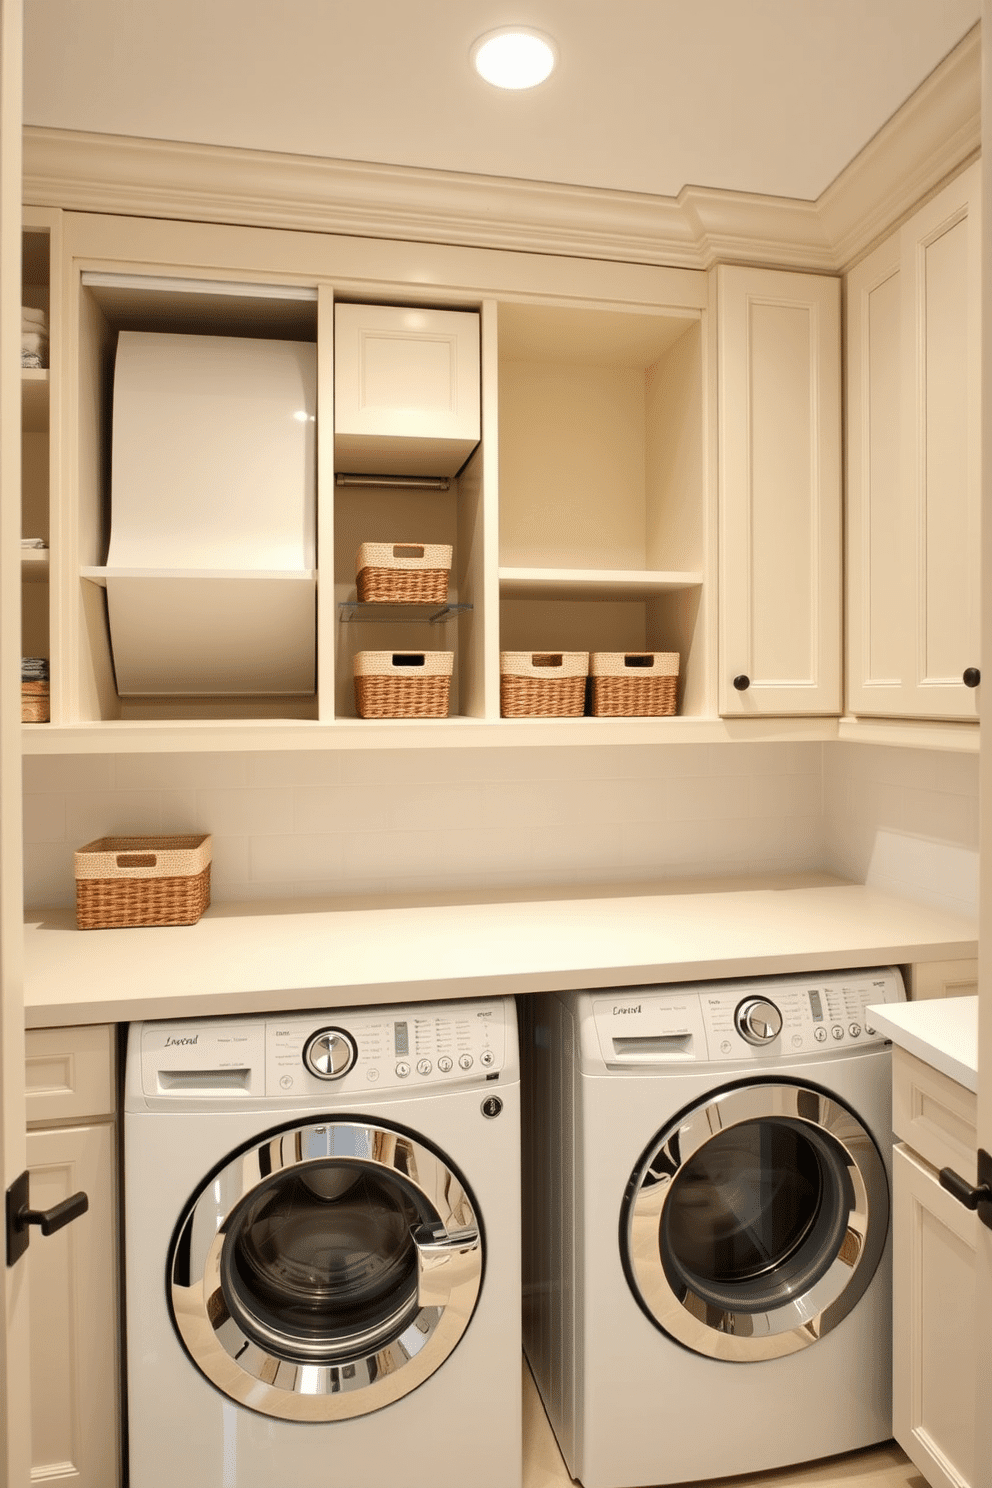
column 758, row 1020
column 329, row 1053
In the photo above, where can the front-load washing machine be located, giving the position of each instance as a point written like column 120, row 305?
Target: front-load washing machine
column 707, row 1275
column 322, row 1249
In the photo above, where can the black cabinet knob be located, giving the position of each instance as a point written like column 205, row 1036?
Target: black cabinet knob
column 742, row 683
column 972, row 676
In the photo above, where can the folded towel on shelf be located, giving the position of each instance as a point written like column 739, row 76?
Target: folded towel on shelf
column 34, row 668
column 31, row 359
column 34, row 340
column 33, row 542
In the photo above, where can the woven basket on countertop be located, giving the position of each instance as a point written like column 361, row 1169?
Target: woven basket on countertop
column 124, row 881
column 542, row 684
column 634, row 684
column 403, row 684
column 403, row 573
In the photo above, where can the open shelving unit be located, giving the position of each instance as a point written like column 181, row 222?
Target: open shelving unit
column 579, row 521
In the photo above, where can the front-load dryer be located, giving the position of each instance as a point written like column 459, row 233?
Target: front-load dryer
column 707, row 1273
column 322, row 1248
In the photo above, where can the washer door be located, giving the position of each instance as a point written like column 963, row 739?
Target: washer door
column 754, row 1223
column 326, row 1271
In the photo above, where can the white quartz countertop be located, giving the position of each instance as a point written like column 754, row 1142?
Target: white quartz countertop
column 942, row 1031
column 268, row 956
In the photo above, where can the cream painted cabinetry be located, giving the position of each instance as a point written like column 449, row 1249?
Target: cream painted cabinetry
column 913, row 386
column 75, row 1363
column 575, row 452
column 780, row 492
column 934, row 1244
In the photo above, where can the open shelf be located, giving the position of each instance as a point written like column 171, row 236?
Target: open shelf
column 588, row 583
column 34, row 400
column 602, row 491
column 34, row 565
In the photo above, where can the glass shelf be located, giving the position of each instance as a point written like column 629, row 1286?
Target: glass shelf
column 351, row 611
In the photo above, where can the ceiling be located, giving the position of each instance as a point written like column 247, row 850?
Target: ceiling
column 769, row 96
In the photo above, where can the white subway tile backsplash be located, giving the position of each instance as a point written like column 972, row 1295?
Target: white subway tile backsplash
column 345, row 822
column 111, row 813
column 44, row 817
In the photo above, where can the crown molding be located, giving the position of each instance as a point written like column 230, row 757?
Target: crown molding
column 934, row 133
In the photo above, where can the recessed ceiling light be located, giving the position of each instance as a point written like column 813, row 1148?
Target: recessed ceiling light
column 514, row 57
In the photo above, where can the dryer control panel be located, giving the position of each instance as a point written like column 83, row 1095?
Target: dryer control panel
column 743, row 1020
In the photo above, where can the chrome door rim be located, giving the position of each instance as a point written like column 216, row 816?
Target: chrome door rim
column 746, row 1336
column 449, row 1255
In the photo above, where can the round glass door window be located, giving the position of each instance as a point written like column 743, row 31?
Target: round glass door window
column 327, row 1271
column 755, row 1222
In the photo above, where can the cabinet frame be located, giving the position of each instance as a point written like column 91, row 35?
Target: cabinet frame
column 85, row 708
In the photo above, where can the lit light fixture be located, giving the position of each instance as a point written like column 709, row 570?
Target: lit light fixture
column 514, row 57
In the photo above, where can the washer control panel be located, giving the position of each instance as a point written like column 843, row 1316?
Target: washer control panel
column 430, row 1044
column 740, row 1021
column 302, row 1055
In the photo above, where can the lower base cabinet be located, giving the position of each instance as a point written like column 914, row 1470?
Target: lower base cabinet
column 934, row 1248
column 73, row 1274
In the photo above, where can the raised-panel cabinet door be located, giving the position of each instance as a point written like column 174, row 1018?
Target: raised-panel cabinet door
column 941, row 288
column 74, row 1313
column 933, row 1287
column 778, row 337
column 913, row 471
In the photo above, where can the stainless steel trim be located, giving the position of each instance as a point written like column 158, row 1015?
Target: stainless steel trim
column 256, row 1370
column 794, row 1324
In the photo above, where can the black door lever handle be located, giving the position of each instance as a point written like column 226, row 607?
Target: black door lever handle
column 20, row 1217
column 963, row 1191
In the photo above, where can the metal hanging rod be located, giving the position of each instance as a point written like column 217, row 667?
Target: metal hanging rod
column 415, row 482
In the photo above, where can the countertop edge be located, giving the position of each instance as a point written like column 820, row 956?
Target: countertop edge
column 248, row 958
column 951, row 1048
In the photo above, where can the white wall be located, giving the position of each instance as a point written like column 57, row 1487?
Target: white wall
column 346, row 822
column 904, row 819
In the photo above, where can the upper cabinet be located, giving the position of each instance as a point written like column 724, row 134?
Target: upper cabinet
column 779, row 416
column 913, row 384
column 406, row 389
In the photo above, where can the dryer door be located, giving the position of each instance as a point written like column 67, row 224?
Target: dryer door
column 326, row 1271
column 755, row 1222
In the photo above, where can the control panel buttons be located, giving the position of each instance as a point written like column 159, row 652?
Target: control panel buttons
column 836, row 1031
column 487, row 1058
column 820, row 1034
column 855, row 1030
column 445, row 1063
column 758, row 1020
column 402, row 1069
column 465, row 1061
column 329, row 1053
column 424, row 1066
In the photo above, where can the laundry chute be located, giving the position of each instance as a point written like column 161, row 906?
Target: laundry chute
column 210, row 573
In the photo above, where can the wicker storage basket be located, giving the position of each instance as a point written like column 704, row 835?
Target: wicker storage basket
column 403, row 684
column 35, row 702
column 634, row 684
column 543, row 684
column 122, row 881
column 403, row 573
